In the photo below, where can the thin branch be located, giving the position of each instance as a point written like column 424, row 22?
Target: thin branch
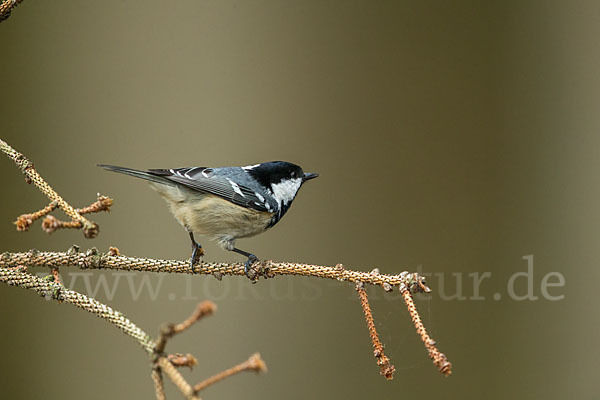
column 6, row 7
column 254, row 363
column 90, row 229
column 184, row 387
column 439, row 359
column 48, row 288
column 159, row 385
column 385, row 366
column 92, row 259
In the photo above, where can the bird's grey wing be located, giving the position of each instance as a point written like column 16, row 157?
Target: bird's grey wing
column 204, row 180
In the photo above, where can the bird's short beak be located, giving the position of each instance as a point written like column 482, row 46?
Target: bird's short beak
column 308, row 176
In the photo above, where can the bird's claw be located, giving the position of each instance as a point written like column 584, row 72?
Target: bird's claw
column 197, row 252
column 251, row 260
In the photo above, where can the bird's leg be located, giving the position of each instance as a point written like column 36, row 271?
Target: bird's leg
column 251, row 259
column 197, row 251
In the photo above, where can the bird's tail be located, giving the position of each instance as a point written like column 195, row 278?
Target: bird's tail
column 149, row 176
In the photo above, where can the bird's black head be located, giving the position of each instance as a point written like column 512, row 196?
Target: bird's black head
column 282, row 180
column 274, row 172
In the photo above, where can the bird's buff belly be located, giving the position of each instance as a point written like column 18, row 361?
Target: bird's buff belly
column 212, row 216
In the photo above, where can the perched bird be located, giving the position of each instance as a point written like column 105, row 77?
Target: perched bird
column 226, row 203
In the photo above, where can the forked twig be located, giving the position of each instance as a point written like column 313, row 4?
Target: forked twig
column 166, row 363
column 51, row 224
column 90, row 229
column 163, row 363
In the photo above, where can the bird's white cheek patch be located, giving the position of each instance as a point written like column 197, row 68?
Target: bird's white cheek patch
column 285, row 191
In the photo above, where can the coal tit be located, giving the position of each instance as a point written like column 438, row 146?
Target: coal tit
column 226, row 203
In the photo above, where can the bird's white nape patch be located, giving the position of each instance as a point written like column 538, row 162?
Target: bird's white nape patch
column 285, row 191
column 235, row 187
column 249, row 167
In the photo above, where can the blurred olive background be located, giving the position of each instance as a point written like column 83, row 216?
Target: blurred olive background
column 455, row 138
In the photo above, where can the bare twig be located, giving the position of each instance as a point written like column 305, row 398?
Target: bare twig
column 24, row 221
column 385, row 366
column 90, row 229
column 6, row 7
column 103, row 203
column 439, row 359
column 51, row 224
column 203, row 309
column 254, row 363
